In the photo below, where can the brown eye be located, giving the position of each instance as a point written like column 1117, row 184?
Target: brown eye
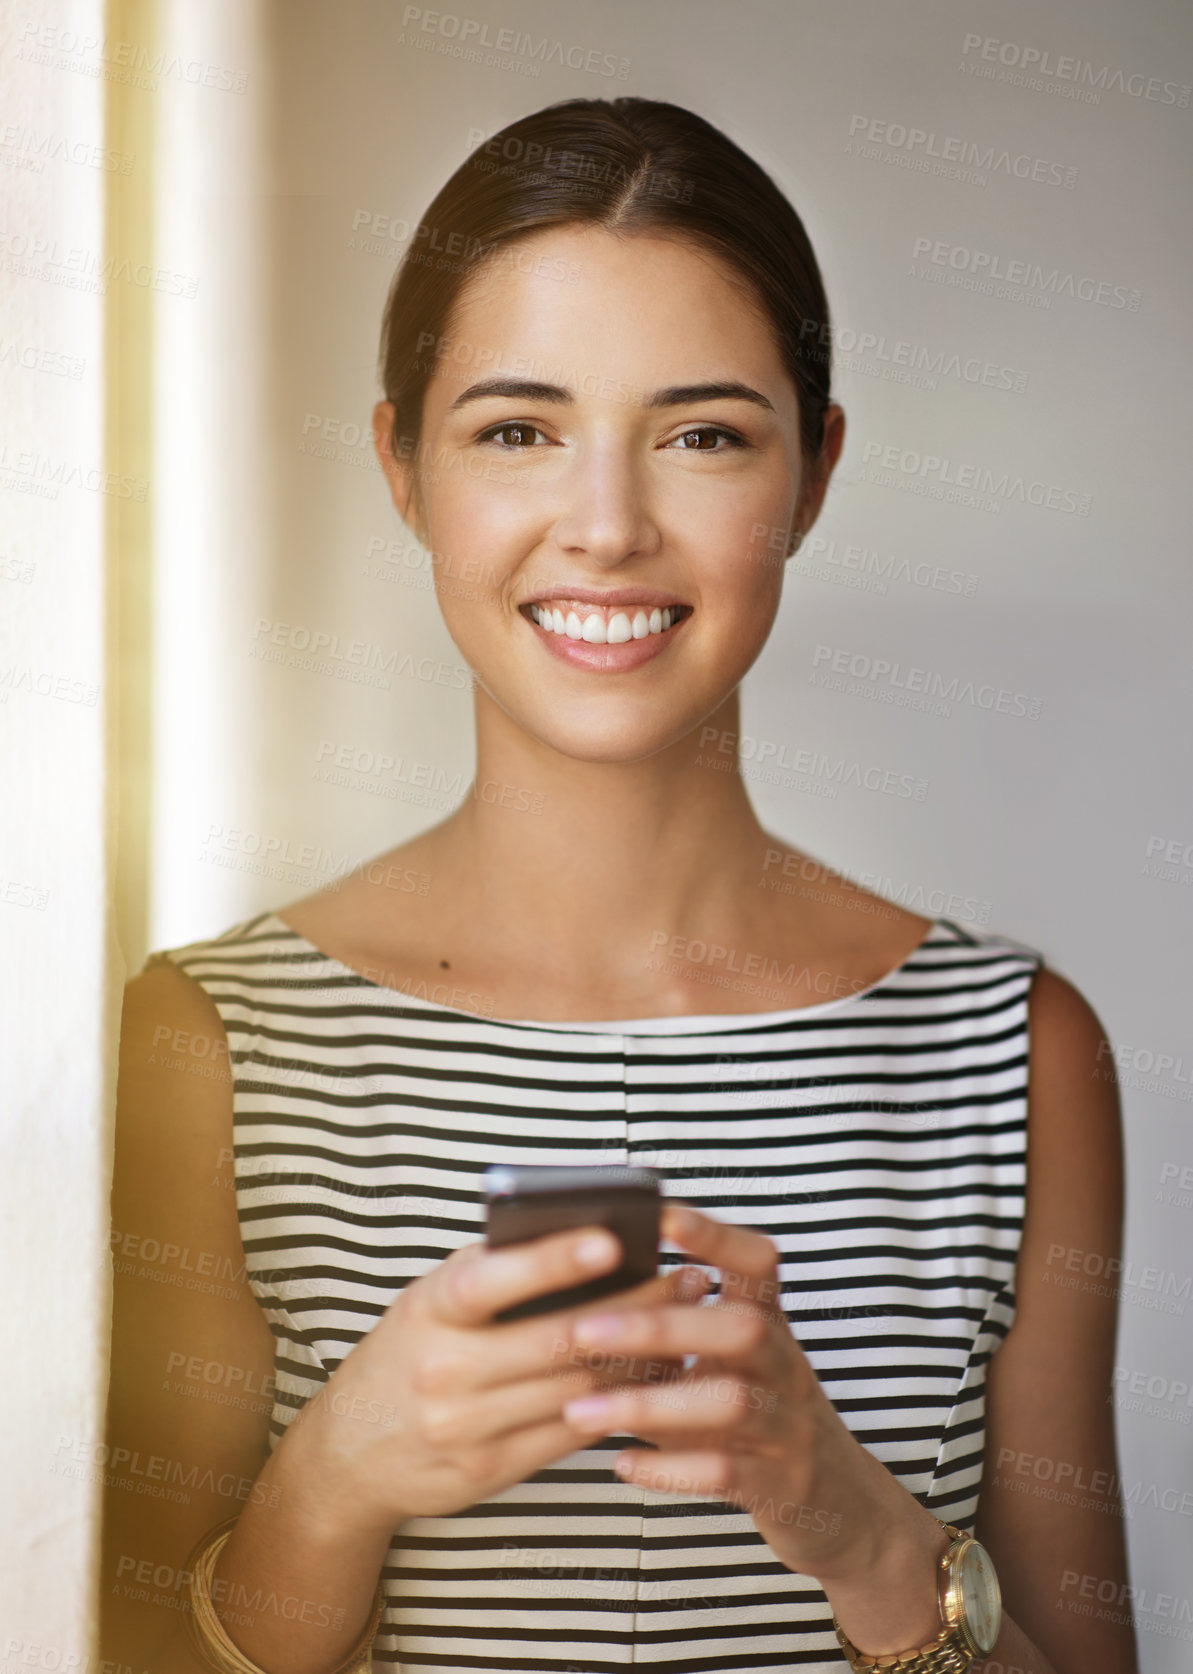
column 513, row 435
column 708, row 436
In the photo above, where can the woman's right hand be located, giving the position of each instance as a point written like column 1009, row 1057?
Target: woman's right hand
column 438, row 1406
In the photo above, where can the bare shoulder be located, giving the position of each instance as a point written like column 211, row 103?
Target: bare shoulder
column 174, row 1212
column 1074, row 1122
column 192, row 1354
column 1051, row 1508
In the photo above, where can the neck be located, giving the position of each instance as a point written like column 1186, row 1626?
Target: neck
column 617, row 852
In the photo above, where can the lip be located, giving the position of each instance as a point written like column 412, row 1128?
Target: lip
column 606, row 659
column 650, row 597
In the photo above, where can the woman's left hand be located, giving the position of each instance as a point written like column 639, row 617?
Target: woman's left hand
column 749, row 1422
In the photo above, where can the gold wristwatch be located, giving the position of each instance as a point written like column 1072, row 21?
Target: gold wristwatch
column 970, row 1602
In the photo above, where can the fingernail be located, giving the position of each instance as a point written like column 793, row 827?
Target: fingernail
column 600, row 1328
column 589, row 1411
column 693, row 1281
column 595, row 1251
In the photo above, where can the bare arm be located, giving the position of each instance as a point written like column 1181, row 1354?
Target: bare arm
column 1051, row 1513
column 192, row 1368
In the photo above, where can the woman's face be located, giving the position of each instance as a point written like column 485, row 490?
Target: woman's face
column 585, row 466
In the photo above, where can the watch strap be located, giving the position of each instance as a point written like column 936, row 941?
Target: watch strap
column 945, row 1653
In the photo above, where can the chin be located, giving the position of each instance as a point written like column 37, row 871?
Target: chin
column 609, row 747
column 638, row 734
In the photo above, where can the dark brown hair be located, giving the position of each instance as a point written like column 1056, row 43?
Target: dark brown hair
column 630, row 165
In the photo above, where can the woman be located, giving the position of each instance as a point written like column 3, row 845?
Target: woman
column 608, row 417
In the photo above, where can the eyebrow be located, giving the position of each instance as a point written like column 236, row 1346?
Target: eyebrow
column 676, row 395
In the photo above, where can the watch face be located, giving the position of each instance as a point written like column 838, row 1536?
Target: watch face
column 981, row 1598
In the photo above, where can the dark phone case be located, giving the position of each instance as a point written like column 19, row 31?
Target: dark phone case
column 631, row 1214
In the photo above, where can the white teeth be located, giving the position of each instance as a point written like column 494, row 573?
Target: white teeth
column 594, row 629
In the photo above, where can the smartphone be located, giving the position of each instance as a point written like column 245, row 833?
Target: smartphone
column 528, row 1202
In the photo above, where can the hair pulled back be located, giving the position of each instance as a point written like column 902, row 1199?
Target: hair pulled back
column 632, row 166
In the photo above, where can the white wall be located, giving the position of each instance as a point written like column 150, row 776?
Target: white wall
column 59, row 969
column 1054, row 829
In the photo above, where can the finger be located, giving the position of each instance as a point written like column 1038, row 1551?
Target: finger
column 722, row 1330
column 748, row 1260
column 682, row 1287
column 525, row 1452
column 510, row 1350
column 477, row 1282
column 715, row 1403
column 680, row 1284
column 457, row 1422
column 706, row 1474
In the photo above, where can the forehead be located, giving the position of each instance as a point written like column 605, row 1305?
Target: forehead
column 650, row 309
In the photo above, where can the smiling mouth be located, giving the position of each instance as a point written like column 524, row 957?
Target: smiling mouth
column 604, row 624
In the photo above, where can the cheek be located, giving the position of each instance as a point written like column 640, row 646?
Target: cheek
column 475, row 536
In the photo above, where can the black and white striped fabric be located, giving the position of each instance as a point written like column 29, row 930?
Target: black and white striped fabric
column 878, row 1138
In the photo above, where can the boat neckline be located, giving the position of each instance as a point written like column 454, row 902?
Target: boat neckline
column 686, row 1022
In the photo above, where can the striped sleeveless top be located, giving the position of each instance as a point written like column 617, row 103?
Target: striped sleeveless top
column 879, row 1139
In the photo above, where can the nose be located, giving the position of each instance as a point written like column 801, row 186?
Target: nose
column 605, row 515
